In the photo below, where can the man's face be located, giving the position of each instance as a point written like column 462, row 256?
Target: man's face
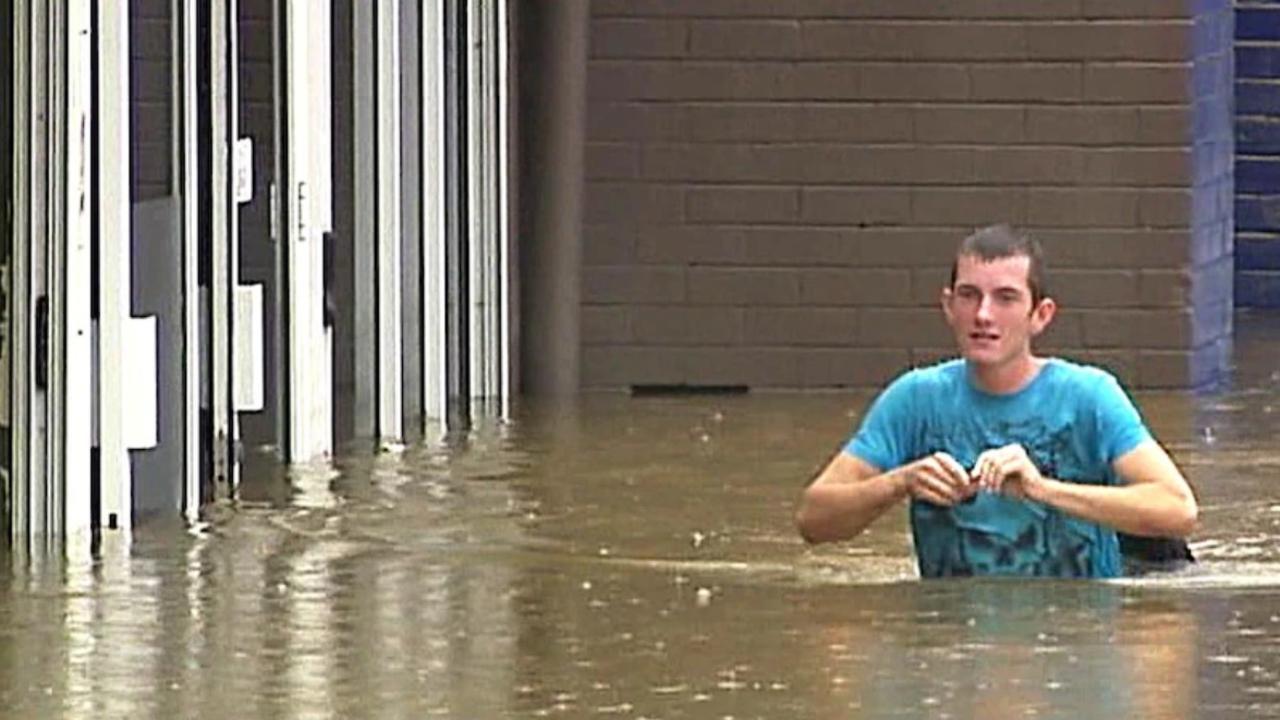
column 990, row 309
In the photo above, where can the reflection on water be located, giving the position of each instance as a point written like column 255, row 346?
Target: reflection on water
column 636, row 559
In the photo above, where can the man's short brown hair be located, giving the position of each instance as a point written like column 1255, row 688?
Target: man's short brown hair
column 996, row 242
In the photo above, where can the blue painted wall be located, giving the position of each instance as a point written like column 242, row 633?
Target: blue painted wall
column 1257, row 242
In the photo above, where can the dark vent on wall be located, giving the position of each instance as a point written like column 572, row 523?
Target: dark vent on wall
column 678, row 390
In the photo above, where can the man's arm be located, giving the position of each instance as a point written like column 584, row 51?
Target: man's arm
column 850, row 493
column 1155, row 499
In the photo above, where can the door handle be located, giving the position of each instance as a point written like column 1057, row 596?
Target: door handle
column 42, row 342
column 330, row 301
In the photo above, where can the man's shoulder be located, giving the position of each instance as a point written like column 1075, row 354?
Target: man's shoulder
column 1080, row 375
column 940, row 376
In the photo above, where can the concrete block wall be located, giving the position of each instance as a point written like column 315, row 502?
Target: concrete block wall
column 1258, row 153
column 774, row 190
column 151, row 103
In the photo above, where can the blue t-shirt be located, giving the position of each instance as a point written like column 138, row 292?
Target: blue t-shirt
column 1073, row 421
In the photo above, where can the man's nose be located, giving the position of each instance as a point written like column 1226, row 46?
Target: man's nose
column 984, row 308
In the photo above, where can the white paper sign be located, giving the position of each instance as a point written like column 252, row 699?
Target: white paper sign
column 244, row 170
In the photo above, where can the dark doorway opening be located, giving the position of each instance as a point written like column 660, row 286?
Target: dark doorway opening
column 6, row 253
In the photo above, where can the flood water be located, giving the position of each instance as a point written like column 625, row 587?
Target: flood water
column 635, row 558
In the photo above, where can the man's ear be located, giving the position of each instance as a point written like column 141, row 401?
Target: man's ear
column 1042, row 315
column 945, row 299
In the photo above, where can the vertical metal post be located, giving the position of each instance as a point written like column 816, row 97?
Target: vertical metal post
column 411, row 212
column 21, row 310
column 505, row 166
column 75, row 408
column 222, row 207
column 364, row 189
column 114, row 232
column 435, row 384
column 44, row 158
column 477, row 227
column 232, row 114
column 457, row 222
column 69, row 503
column 187, row 169
column 282, row 234
column 55, row 296
column 486, row 190
column 387, row 68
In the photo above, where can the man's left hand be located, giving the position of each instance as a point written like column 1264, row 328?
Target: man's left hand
column 1007, row 470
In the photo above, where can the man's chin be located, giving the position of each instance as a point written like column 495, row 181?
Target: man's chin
column 981, row 356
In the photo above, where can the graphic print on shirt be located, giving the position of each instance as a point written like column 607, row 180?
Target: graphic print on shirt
column 997, row 535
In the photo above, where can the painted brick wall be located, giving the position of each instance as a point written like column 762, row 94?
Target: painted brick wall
column 1209, row 292
column 774, row 190
column 1258, row 153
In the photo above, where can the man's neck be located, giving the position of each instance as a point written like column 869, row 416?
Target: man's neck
column 1007, row 378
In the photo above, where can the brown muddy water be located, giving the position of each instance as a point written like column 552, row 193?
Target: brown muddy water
column 635, row 558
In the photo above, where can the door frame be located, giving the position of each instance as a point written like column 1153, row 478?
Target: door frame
column 220, row 435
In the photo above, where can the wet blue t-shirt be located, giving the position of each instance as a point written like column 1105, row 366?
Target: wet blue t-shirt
column 1073, row 421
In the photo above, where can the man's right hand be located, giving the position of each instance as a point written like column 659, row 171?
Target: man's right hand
column 938, row 479
column 850, row 493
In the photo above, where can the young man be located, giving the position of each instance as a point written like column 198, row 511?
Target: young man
column 1014, row 464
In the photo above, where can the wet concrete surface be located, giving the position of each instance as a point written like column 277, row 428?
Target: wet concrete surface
column 635, row 558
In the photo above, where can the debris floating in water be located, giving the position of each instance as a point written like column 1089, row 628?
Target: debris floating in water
column 704, row 597
column 729, row 681
column 1227, row 659
column 698, row 539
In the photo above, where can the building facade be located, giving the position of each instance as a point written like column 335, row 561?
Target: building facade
column 775, row 189
column 283, row 224
column 235, row 225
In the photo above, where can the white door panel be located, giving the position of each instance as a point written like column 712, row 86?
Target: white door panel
column 309, row 168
